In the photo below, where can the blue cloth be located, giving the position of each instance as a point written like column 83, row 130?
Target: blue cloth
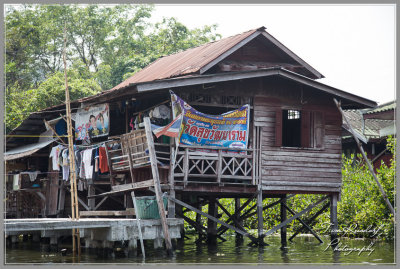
column 61, row 127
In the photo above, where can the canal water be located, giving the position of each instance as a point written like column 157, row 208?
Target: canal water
column 303, row 250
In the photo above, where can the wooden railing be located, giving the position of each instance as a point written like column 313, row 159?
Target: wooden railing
column 214, row 165
column 191, row 164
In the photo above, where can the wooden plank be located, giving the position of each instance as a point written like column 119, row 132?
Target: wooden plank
column 127, row 212
column 301, row 153
column 291, row 183
column 302, row 173
column 157, row 188
column 133, row 186
column 291, row 168
column 300, row 159
column 300, row 189
column 301, row 178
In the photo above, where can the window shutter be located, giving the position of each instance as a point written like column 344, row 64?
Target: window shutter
column 319, row 125
column 305, row 129
column 278, row 128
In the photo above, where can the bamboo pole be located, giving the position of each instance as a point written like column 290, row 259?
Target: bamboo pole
column 365, row 158
column 74, row 195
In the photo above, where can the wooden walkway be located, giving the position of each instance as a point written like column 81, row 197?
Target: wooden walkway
column 111, row 229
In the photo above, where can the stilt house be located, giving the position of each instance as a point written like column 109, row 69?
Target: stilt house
column 294, row 141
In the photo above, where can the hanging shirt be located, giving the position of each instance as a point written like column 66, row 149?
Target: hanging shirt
column 87, row 160
column 55, row 154
column 103, row 163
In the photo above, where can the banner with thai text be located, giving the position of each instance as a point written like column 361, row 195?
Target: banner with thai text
column 228, row 130
column 92, row 122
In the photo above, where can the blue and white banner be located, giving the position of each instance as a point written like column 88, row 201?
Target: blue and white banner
column 228, row 130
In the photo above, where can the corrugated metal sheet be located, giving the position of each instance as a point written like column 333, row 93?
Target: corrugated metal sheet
column 371, row 128
column 382, row 108
column 186, row 62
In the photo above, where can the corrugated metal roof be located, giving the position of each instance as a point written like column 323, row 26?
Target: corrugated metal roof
column 186, row 62
column 372, row 127
column 382, row 108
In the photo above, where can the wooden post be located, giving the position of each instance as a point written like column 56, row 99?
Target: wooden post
column 185, row 167
column 74, row 194
column 157, row 187
column 212, row 225
column 61, row 199
column 171, row 179
column 334, row 220
column 260, row 215
column 138, row 223
column 237, row 214
column 219, row 167
column 283, row 218
column 371, row 169
column 91, row 201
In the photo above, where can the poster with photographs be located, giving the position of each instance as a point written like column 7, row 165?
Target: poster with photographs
column 92, row 122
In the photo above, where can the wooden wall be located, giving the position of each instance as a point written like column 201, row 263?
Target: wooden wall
column 298, row 169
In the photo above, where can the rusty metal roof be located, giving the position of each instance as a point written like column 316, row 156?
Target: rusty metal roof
column 186, row 62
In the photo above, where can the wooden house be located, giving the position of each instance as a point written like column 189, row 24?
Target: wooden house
column 294, row 133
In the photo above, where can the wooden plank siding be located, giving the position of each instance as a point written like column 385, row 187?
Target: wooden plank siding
column 313, row 168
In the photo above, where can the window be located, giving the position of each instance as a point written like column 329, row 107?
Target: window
column 299, row 128
column 291, row 128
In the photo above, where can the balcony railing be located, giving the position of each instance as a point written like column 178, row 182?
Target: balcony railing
column 214, row 165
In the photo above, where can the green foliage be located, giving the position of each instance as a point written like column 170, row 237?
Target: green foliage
column 105, row 45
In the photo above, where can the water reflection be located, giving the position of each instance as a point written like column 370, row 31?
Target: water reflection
column 234, row 251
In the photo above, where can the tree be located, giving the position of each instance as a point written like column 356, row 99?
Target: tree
column 106, row 44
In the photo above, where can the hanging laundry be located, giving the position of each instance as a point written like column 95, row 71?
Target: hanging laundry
column 65, row 164
column 87, row 163
column 55, row 155
column 32, row 175
column 103, row 162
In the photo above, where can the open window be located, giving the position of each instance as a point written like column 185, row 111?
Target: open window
column 299, row 128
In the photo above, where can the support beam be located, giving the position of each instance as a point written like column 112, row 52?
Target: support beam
column 212, row 225
column 310, row 221
column 277, row 227
column 334, row 220
column 304, row 224
column 283, row 218
column 253, row 239
column 237, row 214
column 260, row 219
column 91, row 201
